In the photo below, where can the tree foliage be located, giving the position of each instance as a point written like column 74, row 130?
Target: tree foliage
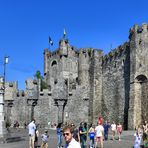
column 38, row 76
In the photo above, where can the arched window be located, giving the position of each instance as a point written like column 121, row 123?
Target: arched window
column 54, row 63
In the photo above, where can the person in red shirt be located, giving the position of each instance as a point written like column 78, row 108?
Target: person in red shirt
column 119, row 130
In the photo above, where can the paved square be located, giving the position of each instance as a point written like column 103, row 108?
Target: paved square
column 127, row 140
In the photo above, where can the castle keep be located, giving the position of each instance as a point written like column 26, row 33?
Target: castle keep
column 84, row 84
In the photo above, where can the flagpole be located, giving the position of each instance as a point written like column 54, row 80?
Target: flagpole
column 64, row 34
column 49, row 46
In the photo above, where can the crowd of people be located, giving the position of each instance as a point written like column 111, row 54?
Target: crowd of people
column 141, row 135
column 77, row 137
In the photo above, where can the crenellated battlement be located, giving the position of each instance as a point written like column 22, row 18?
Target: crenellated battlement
column 116, row 54
column 136, row 30
column 89, row 52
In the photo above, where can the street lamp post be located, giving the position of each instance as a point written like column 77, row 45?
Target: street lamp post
column 3, row 131
column 6, row 58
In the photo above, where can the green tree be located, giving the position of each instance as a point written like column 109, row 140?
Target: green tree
column 43, row 84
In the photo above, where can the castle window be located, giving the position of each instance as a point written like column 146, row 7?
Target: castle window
column 73, row 86
column 77, row 81
column 140, row 41
column 54, row 63
column 139, row 30
column 49, row 87
column 115, row 64
column 55, row 81
column 140, row 65
column 66, row 82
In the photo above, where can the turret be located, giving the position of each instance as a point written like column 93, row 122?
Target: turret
column 83, row 67
column 138, row 74
column 63, row 47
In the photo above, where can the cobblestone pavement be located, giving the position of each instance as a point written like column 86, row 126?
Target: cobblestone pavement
column 127, row 140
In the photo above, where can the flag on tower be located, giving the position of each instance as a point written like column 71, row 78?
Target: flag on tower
column 50, row 41
column 64, row 33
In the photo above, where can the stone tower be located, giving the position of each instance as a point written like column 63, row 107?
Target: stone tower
column 95, row 85
column 138, row 111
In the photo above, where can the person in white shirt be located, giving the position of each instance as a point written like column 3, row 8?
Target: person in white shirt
column 113, row 128
column 68, row 136
column 32, row 130
column 99, row 132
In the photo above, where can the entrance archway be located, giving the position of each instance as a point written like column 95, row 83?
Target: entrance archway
column 141, row 98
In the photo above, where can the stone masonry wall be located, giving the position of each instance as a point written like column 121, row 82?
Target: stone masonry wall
column 114, row 84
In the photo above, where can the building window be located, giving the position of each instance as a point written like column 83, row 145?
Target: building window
column 54, row 63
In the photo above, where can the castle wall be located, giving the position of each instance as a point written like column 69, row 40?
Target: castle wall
column 115, row 90
column 76, row 109
column 20, row 110
column 86, row 84
column 45, row 111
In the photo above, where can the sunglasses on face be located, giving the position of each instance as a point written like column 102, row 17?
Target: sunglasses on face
column 66, row 134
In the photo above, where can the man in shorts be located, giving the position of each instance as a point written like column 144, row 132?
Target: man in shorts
column 32, row 130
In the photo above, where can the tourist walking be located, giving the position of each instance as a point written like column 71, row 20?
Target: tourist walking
column 76, row 135
column 45, row 138
column 36, row 137
column 106, row 130
column 99, row 132
column 59, row 135
column 68, row 136
column 91, row 133
column 119, row 130
column 138, row 138
column 32, row 130
column 83, row 135
column 113, row 129
column 145, row 133
column 145, row 127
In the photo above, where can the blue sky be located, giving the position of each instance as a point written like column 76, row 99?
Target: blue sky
column 26, row 24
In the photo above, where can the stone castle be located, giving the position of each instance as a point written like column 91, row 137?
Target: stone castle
column 84, row 84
